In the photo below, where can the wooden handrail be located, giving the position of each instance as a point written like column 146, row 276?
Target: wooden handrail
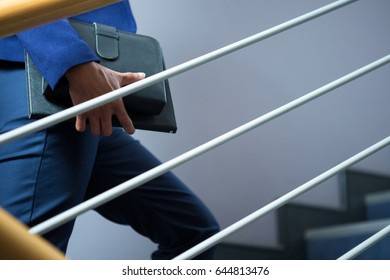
column 17, row 244
column 18, row 15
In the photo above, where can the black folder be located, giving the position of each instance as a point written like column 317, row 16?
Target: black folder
column 150, row 108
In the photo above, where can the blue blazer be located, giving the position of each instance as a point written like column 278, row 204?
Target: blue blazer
column 56, row 47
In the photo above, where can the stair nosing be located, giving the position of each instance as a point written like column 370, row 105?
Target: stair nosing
column 343, row 230
column 378, row 197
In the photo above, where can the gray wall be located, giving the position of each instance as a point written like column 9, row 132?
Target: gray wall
column 247, row 173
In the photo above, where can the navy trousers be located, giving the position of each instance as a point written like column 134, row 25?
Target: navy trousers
column 50, row 171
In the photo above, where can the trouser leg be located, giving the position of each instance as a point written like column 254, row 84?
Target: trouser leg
column 164, row 209
column 48, row 172
column 44, row 173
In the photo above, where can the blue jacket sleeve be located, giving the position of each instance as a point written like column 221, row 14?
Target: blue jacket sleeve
column 55, row 48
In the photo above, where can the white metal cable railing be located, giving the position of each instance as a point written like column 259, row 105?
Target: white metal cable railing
column 174, row 71
column 368, row 243
column 201, row 247
column 169, row 165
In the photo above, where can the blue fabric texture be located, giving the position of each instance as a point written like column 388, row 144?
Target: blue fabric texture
column 55, row 169
column 48, row 44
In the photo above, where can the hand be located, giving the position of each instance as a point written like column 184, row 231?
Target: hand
column 90, row 80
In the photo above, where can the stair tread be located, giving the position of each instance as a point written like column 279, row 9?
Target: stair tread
column 357, row 228
column 378, row 197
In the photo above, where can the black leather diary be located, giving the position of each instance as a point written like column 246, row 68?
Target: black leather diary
column 150, row 108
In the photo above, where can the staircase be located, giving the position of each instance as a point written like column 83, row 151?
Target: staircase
column 332, row 242
column 309, row 232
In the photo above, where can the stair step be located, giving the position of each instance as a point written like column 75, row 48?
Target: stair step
column 378, row 205
column 332, row 242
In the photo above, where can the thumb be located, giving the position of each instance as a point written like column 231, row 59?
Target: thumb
column 128, row 78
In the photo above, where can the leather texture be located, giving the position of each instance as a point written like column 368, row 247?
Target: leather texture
column 107, row 41
column 150, row 108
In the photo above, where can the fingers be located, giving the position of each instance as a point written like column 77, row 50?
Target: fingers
column 80, row 123
column 100, row 119
column 128, row 78
column 125, row 121
column 90, row 80
column 105, row 126
column 117, row 108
